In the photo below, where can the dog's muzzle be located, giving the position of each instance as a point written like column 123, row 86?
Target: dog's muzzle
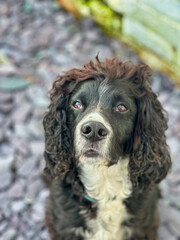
column 94, row 131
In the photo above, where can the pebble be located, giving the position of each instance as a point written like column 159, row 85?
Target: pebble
column 35, row 129
column 22, row 112
column 6, row 108
column 21, row 145
column 3, row 226
column 21, row 130
column 10, row 234
column 7, row 70
column 34, row 188
column 5, row 210
column 171, row 216
column 5, row 180
column 16, row 190
column 18, row 206
column 165, row 234
column 5, row 97
column 38, row 97
column 5, row 163
column 37, row 148
column 20, row 238
column 27, row 167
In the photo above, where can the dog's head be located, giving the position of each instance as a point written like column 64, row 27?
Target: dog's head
column 103, row 113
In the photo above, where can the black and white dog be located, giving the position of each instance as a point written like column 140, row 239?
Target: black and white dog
column 105, row 153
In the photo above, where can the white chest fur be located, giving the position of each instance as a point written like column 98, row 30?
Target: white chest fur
column 109, row 186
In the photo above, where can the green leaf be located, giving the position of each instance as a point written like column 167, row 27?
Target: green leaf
column 13, row 84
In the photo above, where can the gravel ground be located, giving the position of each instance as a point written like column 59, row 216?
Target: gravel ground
column 38, row 40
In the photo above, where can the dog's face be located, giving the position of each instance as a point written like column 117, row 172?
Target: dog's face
column 102, row 117
column 103, row 113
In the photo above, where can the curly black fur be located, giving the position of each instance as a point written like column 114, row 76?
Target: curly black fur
column 148, row 152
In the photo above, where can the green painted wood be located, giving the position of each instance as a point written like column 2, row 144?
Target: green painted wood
column 148, row 38
column 161, row 24
column 170, row 8
column 101, row 13
column 178, row 58
column 148, row 31
column 117, row 5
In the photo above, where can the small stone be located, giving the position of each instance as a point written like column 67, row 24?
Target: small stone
column 3, row 225
column 38, row 208
column 18, row 206
column 5, row 180
column 21, row 145
column 30, row 234
column 21, row 130
column 61, row 59
column 171, row 217
column 163, row 234
column 42, row 37
column 20, row 238
column 6, row 163
column 6, row 108
column 10, row 234
column 15, row 220
column 13, row 53
column 163, row 97
column 16, row 190
column 39, row 112
column 27, row 167
column 44, row 73
column 38, row 171
column 44, row 235
column 20, row 97
column 6, row 97
column 21, row 112
column 36, row 130
column 3, row 9
column 37, row 147
column 174, row 147
column 4, row 206
column 34, row 188
column 38, row 96
column 174, row 227
column 7, row 69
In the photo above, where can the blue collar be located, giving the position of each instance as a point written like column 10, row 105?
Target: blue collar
column 89, row 198
column 94, row 200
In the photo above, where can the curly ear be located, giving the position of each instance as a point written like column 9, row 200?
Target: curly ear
column 150, row 160
column 57, row 135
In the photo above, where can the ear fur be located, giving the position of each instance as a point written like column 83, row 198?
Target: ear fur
column 150, row 160
column 57, row 134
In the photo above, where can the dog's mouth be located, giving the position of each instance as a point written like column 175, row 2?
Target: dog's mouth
column 91, row 153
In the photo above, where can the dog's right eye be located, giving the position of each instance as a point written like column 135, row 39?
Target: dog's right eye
column 77, row 105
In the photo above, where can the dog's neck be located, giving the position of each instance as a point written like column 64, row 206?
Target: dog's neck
column 104, row 183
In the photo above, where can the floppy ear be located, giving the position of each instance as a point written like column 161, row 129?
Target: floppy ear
column 150, row 160
column 58, row 145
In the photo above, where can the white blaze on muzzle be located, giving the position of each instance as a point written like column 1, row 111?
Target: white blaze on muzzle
column 81, row 143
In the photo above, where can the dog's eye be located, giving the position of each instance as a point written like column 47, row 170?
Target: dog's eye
column 121, row 108
column 77, row 105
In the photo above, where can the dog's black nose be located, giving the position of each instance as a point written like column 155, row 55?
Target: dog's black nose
column 94, row 131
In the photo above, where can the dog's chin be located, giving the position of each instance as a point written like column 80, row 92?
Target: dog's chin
column 92, row 157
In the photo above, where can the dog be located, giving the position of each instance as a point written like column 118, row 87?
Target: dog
column 105, row 152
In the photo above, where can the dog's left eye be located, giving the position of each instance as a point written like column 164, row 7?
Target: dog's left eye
column 121, row 108
column 77, row 105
